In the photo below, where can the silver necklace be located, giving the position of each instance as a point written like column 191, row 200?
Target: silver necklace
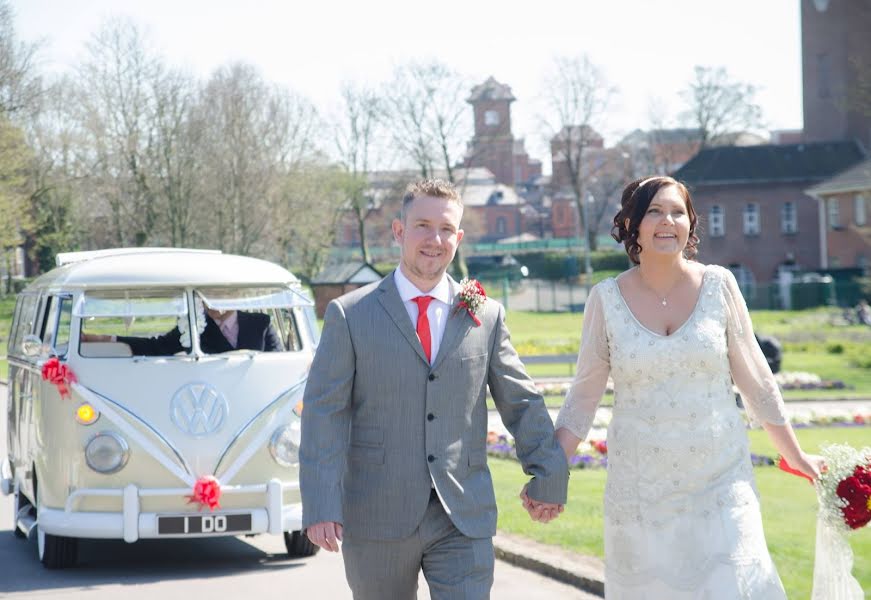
column 662, row 299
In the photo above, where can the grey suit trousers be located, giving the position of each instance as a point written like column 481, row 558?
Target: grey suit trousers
column 456, row 567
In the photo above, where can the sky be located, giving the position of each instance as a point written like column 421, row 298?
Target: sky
column 646, row 48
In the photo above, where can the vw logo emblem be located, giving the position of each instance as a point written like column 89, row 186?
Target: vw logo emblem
column 198, row 409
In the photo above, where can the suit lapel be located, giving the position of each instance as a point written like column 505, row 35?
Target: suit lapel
column 455, row 328
column 392, row 303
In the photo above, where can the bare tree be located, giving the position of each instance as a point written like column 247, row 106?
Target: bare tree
column 20, row 84
column 356, row 135
column 256, row 133
column 179, row 124
column 430, row 121
column 307, row 215
column 577, row 97
column 117, row 110
column 718, row 105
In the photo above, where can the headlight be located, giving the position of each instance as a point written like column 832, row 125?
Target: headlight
column 284, row 445
column 107, row 452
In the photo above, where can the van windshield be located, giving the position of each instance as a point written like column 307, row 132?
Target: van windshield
column 165, row 324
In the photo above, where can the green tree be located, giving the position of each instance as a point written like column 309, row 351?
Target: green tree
column 15, row 219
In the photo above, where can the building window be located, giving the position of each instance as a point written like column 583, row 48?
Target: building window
column 751, row 219
column 745, row 279
column 860, row 213
column 788, row 218
column 823, row 73
column 717, row 221
column 491, row 118
column 834, row 210
column 501, row 226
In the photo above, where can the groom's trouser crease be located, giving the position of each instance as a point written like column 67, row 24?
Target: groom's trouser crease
column 456, row 567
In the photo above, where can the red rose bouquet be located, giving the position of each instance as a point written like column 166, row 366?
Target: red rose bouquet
column 844, row 492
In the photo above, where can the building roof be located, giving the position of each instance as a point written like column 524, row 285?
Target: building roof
column 733, row 165
column 497, row 194
column 855, row 179
column 491, row 90
column 349, row 272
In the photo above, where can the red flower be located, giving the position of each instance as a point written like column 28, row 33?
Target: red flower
column 855, row 490
column 471, row 297
column 58, row 374
column 207, row 492
column 859, row 420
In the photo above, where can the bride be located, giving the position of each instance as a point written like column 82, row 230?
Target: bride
column 682, row 517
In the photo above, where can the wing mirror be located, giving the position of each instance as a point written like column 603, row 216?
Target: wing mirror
column 31, row 345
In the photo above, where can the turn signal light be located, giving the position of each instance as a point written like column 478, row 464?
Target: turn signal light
column 297, row 410
column 86, row 414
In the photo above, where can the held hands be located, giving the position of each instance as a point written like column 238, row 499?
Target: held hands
column 326, row 534
column 543, row 512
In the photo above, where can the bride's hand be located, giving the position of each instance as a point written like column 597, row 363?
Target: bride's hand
column 811, row 465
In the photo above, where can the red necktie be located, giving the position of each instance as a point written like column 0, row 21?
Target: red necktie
column 423, row 325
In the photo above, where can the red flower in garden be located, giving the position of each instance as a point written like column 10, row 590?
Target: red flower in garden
column 601, row 446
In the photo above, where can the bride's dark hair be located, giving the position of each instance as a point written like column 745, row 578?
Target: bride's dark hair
column 633, row 206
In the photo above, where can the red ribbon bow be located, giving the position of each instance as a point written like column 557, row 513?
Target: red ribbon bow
column 207, row 492
column 58, row 374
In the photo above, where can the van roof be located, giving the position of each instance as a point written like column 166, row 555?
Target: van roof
column 161, row 267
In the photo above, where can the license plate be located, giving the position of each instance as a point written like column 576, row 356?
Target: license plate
column 203, row 524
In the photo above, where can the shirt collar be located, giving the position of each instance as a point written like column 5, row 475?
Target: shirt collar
column 408, row 291
column 230, row 322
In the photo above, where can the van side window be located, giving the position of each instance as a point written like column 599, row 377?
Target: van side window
column 56, row 329
column 64, row 322
column 25, row 315
column 289, row 331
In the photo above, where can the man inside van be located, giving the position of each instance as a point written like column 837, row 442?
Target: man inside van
column 225, row 331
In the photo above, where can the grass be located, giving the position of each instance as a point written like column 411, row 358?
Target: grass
column 788, row 511
column 811, row 343
column 7, row 306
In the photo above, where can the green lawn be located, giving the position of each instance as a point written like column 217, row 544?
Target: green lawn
column 811, row 343
column 7, row 306
column 788, row 511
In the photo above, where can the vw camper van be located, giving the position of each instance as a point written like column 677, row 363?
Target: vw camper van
column 131, row 415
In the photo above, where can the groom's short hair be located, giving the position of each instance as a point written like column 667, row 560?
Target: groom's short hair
column 433, row 188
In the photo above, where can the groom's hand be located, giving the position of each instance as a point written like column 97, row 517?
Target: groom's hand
column 327, row 535
column 542, row 512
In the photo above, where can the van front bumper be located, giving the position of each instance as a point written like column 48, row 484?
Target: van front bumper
column 131, row 524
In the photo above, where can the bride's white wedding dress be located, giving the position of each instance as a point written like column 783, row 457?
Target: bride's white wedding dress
column 682, row 518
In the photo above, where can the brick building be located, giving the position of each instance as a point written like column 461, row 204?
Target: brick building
column 755, row 216
column 845, row 231
column 493, row 145
column 836, row 70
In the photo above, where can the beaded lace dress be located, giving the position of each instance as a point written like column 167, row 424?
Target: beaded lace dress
column 682, row 518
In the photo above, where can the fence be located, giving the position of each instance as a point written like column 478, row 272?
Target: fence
column 539, row 295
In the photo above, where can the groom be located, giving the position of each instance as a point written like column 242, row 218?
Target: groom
column 393, row 457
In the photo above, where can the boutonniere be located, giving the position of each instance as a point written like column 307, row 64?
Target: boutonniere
column 471, row 297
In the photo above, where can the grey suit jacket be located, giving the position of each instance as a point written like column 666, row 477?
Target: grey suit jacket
column 380, row 425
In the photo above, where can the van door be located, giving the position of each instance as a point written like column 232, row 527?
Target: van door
column 21, row 377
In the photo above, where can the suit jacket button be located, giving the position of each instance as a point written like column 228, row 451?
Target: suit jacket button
column 432, row 377
column 430, row 458
column 430, row 417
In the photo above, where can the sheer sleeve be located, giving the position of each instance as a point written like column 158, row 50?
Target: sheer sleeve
column 591, row 374
column 759, row 390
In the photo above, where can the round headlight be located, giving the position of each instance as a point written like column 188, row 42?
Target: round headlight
column 284, row 445
column 107, row 452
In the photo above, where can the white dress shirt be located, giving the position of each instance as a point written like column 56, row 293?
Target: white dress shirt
column 437, row 312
